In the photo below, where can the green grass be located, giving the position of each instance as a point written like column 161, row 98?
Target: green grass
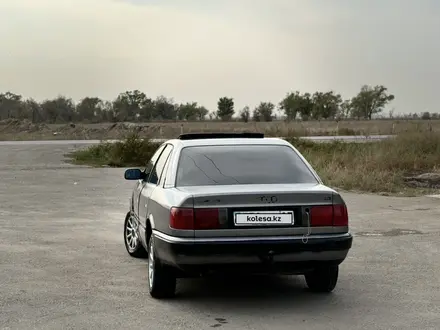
column 378, row 167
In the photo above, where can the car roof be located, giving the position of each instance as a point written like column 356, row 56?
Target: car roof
column 227, row 141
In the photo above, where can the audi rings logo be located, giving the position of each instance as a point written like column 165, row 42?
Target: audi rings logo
column 269, row 199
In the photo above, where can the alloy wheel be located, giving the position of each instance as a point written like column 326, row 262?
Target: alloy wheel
column 131, row 234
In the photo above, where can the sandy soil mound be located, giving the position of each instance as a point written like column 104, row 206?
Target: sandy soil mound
column 21, row 126
column 425, row 180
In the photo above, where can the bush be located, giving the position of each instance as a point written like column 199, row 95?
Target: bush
column 133, row 151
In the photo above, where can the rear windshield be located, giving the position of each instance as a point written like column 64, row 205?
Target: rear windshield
column 241, row 164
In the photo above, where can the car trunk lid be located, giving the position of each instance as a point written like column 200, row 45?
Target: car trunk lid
column 257, row 210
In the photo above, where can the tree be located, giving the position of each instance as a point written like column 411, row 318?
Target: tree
column 147, row 110
column 88, row 108
column 201, row 112
column 426, row 115
column 165, row 109
column 187, row 111
column 225, row 108
column 306, row 106
column 33, row 108
column 191, row 111
column 136, row 106
column 295, row 103
column 132, row 105
column 290, row 105
column 325, row 105
column 256, row 115
column 245, row 114
column 11, row 106
column 370, row 101
column 129, row 105
column 264, row 111
column 391, row 113
column 344, row 110
column 106, row 113
column 60, row 109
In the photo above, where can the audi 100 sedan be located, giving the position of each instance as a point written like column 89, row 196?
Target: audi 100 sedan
column 234, row 203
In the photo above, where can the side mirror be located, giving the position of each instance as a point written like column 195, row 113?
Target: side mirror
column 133, row 174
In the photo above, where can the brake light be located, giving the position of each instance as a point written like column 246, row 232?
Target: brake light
column 328, row 215
column 194, row 219
column 182, row 218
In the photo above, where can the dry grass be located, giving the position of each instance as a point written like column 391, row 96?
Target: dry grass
column 378, row 167
column 28, row 131
column 284, row 129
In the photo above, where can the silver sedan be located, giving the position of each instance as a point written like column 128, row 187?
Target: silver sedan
column 209, row 204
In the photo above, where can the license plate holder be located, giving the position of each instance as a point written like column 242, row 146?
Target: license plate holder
column 264, row 218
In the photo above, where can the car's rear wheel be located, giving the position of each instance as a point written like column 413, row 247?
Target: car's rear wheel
column 322, row 279
column 161, row 280
column 131, row 238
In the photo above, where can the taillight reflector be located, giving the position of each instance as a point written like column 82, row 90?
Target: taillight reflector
column 328, row 215
column 194, row 219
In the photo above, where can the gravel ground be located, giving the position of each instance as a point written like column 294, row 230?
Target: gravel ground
column 63, row 263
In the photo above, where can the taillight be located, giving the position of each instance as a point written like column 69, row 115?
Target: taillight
column 321, row 216
column 194, row 219
column 340, row 215
column 328, row 215
column 181, row 218
column 206, row 219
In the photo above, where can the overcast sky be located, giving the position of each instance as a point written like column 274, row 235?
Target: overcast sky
column 200, row 50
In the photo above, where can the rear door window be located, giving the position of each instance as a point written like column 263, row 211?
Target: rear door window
column 241, row 164
column 160, row 164
column 153, row 160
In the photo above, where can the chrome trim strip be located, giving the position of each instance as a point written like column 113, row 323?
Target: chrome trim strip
column 183, row 240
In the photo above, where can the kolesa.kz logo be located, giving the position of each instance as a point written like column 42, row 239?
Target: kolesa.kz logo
column 255, row 218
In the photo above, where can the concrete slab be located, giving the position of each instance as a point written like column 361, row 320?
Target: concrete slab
column 63, row 263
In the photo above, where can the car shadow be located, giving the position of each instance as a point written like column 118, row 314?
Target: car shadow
column 254, row 291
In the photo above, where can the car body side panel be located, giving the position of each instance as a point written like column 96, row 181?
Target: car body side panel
column 160, row 205
column 136, row 196
column 144, row 205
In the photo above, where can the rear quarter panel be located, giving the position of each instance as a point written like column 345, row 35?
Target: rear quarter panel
column 159, row 206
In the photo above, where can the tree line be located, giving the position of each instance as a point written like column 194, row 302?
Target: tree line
column 137, row 106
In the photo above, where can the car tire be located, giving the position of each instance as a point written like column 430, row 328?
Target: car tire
column 161, row 280
column 322, row 279
column 132, row 239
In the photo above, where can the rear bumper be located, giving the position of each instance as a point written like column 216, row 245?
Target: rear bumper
column 260, row 255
